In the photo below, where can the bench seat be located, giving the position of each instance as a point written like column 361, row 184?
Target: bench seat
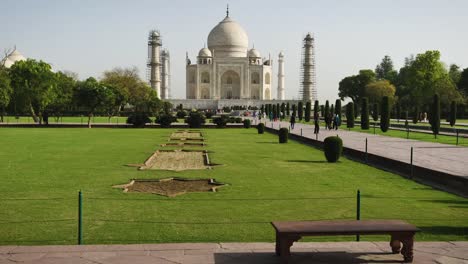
column 401, row 232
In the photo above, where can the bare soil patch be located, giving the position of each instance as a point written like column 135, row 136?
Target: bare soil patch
column 186, row 135
column 170, row 186
column 177, row 160
column 184, row 144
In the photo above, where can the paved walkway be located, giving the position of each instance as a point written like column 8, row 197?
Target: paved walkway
column 441, row 157
column 232, row 253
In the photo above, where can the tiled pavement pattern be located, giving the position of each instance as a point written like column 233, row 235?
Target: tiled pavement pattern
column 230, row 253
column 441, row 157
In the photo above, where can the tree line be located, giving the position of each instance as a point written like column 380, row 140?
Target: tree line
column 32, row 87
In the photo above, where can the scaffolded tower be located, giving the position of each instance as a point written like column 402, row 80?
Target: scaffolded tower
column 154, row 61
column 308, row 90
column 165, row 74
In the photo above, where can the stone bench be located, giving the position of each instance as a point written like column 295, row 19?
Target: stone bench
column 401, row 232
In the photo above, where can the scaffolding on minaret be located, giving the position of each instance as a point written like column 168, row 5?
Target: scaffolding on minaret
column 308, row 91
column 153, row 72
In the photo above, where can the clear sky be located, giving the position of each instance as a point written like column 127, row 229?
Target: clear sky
column 91, row 36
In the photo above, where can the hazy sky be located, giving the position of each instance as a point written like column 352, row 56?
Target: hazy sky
column 91, row 36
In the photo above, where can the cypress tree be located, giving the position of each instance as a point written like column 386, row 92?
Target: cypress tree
column 322, row 110
column 307, row 111
column 434, row 119
column 350, row 115
column 274, row 112
column 294, row 110
column 453, row 113
column 287, row 109
column 338, row 107
column 278, row 111
column 365, row 114
column 398, row 111
column 262, row 109
column 316, row 107
column 415, row 115
column 326, row 114
column 375, row 112
column 384, row 114
column 332, row 110
column 300, row 110
column 283, row 111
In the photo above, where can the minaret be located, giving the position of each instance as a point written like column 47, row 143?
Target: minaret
column 281, row 76
column 154, row 61
column 309, row 91
column 165, row 74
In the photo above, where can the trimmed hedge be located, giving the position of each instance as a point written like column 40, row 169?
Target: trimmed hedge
column 165, row 120
column 181, row 114
column 261, row 128
column 221, row 121
column 246, row 123
column 333, row 147
column 195, row 119
column 138, row 119
column 283, row 135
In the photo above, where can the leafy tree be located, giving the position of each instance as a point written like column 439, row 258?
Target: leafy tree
column 378, row 89
column 354, row 86
column 385, row 114
column 307, row 111
column 463, row 82
column 300, row 111
column 92, row 95
column 5, row 91
column 385, row 71
column 434, row 117
column 350, row 115
column 365, row 114
column 64, row 89
column 454, row 73
column 453, row 113
column 33, row 86
column 375, row 112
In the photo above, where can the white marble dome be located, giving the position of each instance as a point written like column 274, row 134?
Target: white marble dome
column 12, row 58
column 205, row 52
column 228, row 39
column 253, row 53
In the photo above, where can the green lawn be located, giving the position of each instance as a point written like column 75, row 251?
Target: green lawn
column 68, row 119
column 44, row 168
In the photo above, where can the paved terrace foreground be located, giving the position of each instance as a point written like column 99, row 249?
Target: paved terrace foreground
column 436, row 156
column 230, row 253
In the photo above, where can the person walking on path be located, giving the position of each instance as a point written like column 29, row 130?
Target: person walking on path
column 292, row 121
column 316, row 123
column 336, row 122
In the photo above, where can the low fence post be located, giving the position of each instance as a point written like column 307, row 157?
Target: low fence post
column 411, row 162
column 358, row 210
column 80, row 218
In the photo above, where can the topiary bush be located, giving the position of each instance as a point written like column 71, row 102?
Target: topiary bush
column 138, row 119
column 237, row 120
column 221, row 121
column 261, row 128
column 209, row 114
column 181, row 114
column 246, row 123
column 333, row 147
column 283, row 135
column 165, row 120
column 195, row 119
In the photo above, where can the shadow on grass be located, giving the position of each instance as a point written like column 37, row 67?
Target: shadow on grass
column 306, row 257
column 308, row 161
column 453, row 203
column 444, row 230
column 267, row 142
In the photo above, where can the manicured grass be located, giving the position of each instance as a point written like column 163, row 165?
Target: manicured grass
column 68, row 119
column 43, row 169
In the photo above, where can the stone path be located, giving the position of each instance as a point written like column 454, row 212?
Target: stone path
column 441, row 157
column 232, row 253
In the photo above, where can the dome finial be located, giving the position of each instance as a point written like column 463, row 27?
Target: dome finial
column 227, row 11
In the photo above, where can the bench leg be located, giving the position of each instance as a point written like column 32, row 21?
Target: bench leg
column 407, row 250
column 283, row 247
column 395, row 244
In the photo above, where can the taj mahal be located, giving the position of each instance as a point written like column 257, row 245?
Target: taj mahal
column 227, row 69
column 227, row 72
